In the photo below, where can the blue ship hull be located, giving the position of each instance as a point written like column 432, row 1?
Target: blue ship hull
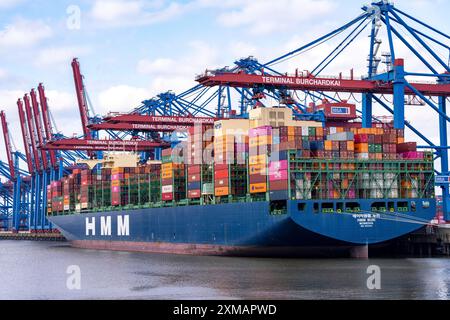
column 245, row 228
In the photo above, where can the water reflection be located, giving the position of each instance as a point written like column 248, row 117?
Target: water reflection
column 37, row 270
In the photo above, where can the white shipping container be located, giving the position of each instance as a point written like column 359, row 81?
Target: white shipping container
column 167, row 189
column 362, row 156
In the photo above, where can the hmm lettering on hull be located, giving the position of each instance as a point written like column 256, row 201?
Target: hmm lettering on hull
column 105, row 226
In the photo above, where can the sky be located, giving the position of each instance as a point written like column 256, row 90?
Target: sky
column 131, row 50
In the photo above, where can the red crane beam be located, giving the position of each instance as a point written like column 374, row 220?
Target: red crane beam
column 139, row 127
column 145, row 119
column 103, row 145
column 8, row 145
column 46, row 122
column 243, row 80
column 32, row 132
column 25, row 136
column 81, row 97
column 38, row 125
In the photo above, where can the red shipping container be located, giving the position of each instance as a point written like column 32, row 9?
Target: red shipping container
column 221, row 174
column 194, row 194
column 194, row 169
column 257, row 178
column 220, row 167
column 167, row 196
column 221, row 183
column 278, row 185
column 361, row 138
column 407, row 147
column 194, row 177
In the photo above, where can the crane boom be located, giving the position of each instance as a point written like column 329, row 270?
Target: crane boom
column 81, row 97
column 32, row 132
column 47, row 124
column 103, row 145
column 25, row 136
column 8, row 145
column 310, row 83
column 38, row 124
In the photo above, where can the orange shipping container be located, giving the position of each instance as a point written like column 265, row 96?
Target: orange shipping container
column 319, row 131
column 261, row 159
column 350, row 145
column 258, row 187
column 362, row 147
column 257, row 169
column 115, row 183
column 167, row 175
column 328, row 145
column 291, row 131
column 221, row 191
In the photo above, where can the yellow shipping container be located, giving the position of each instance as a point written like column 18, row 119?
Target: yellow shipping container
column 258, row 187
column 260, row 141
column 260, row 159
column 167, row 166
column 116, row 170
column 115, row 183
column 257, row 169
column 167, row 175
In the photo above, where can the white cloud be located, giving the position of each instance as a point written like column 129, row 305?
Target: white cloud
column 24, row 33
column 59, row 55
column 114, row 13
column 199, row 55
column 3, row 74
column 242, row 49
column 178, row 74
column 121, row 98
column 9, row 3
column 267, row 16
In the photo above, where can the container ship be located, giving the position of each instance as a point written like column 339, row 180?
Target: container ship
column 266, row 185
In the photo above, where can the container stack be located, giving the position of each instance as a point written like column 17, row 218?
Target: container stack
column 260, row 147
column 155, row 182
column 116, row 178
column 85, row 189
column 173, row 178
column 278, row 180
column 57, row 198
column 49, row 199
column 194, row 181
column 199, row 173
column 230, row 162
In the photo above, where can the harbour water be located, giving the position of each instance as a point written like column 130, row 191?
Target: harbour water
column 46, row 270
